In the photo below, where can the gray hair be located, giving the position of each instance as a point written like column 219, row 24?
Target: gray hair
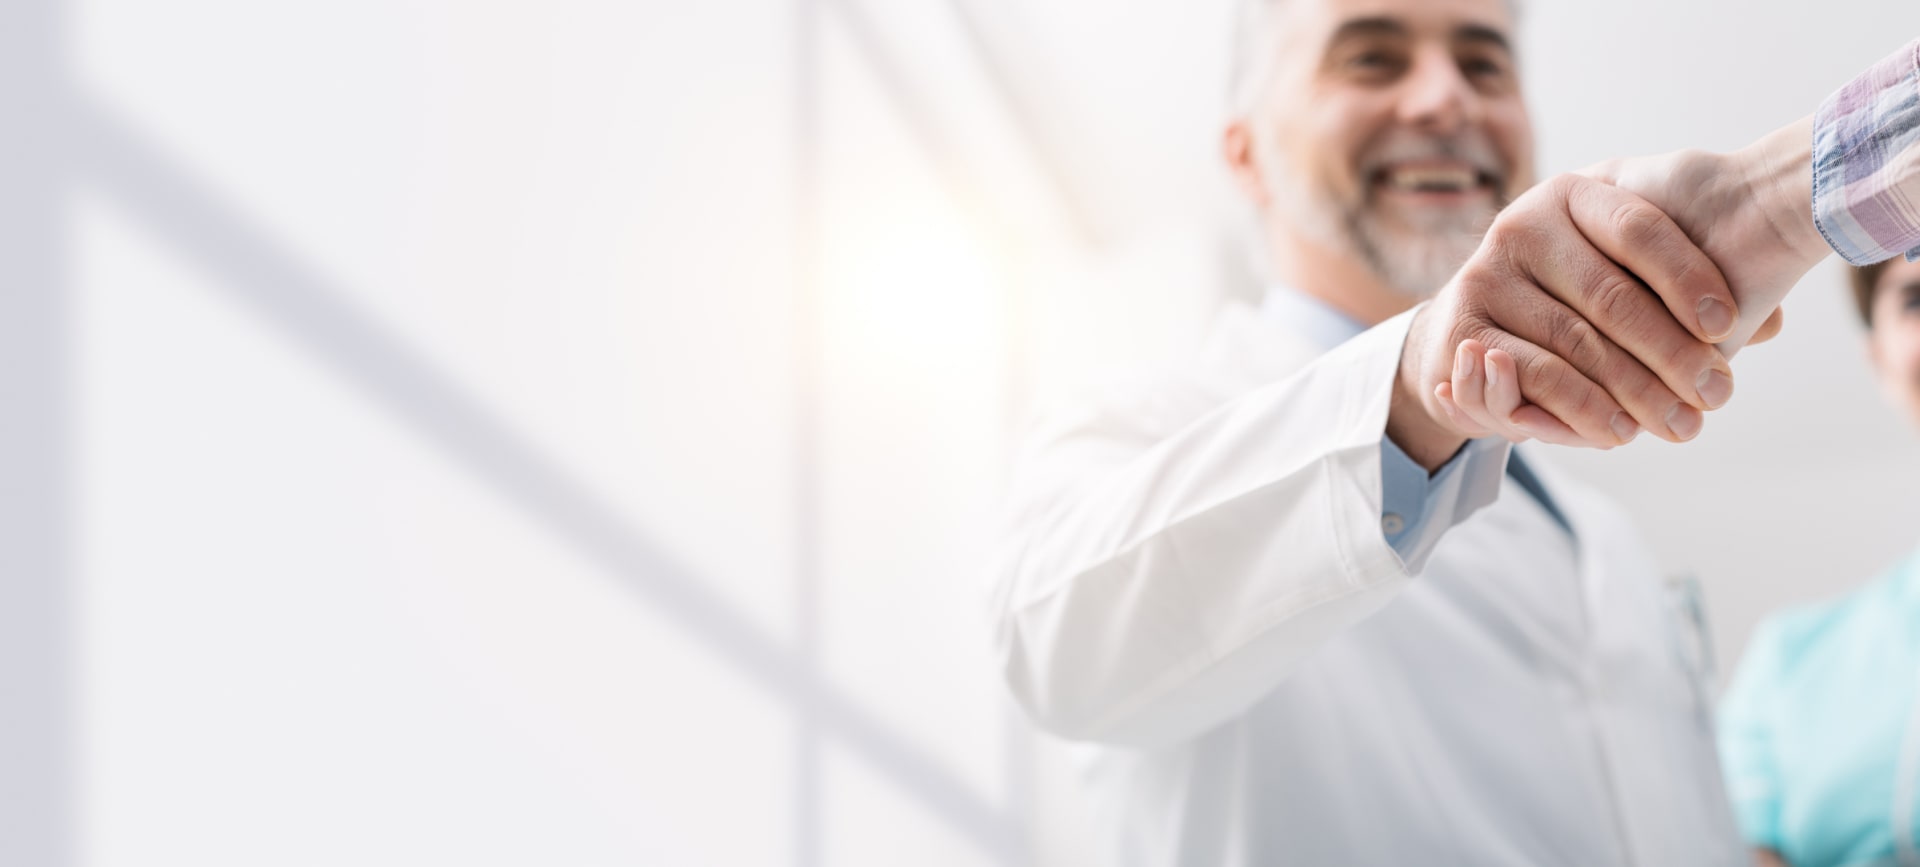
column 1255, row 47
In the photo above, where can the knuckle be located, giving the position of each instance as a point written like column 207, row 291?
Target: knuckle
column 1566, row 185
column 1652, row 392
column 1620, row 301
column 1581, row 344
column 1517, row 238
column 1550, row 377
column 1692, row 276
column 1688, row 358
column 1474, row 283
column 1688, row 278
column 1517, row 225
column 1578, row 403
column 1473, row 323
column 1639, row 224
column 1505, row 229
column 1541, row 376
column 1590, row 407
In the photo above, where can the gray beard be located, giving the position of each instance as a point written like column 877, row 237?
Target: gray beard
column 1414, row 263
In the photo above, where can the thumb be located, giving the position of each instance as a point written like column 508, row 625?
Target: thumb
column 1770, row 328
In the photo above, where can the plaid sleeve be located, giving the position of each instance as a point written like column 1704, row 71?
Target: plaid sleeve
column 1866, row 162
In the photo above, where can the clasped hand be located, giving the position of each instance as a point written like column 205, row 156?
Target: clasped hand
column 1595, row 306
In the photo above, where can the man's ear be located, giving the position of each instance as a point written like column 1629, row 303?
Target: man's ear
column 1236, row 147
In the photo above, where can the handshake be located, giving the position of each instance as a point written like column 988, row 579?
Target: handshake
column 1607, row 302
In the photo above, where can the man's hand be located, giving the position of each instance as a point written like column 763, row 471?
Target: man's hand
column 1590, row 302
column 1751, row 211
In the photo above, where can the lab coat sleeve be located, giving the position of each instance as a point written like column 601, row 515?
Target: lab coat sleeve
column 1412, row 493
column 1154, row 583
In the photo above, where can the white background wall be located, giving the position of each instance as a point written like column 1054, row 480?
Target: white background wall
column 568, row 433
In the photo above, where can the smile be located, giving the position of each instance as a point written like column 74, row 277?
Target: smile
column 1440, row 179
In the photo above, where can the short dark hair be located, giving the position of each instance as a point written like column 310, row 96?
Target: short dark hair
column 1866, row 278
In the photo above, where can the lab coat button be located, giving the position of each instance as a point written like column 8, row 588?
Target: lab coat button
column 1392, row 523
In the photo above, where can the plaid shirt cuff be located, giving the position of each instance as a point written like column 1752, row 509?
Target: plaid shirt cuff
column 1866, row 162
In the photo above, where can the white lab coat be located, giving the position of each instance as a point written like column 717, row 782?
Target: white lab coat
column 1195, row 582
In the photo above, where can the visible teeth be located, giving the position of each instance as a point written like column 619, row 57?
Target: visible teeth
column 1449, row 180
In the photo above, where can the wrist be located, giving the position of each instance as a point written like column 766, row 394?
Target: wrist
column 1778, row 170
column 1412, row 415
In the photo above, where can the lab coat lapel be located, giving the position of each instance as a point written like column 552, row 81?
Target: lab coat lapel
column 1574, row 505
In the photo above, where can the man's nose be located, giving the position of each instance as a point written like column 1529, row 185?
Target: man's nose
column 1437, row 97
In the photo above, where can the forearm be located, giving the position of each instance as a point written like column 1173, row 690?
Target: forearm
column 1169, row 637
column 1168, row 580
column 1765, row 238
column 1780, row 171
column 1845, row 180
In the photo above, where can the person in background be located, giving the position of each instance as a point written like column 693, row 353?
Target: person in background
column 1820, row 729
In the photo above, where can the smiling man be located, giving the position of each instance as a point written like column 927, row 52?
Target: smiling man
column 1358, row 168
column 1300, row 614
column 1302, row 598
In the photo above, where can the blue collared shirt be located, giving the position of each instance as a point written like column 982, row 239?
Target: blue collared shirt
column 1407, row 489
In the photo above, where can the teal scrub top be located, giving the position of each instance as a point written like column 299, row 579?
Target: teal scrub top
column 1813, row 727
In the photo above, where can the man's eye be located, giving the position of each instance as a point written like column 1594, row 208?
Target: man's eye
column 1373, row 61
column 1482, row 67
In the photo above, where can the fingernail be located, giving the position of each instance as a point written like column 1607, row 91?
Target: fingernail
column 1462, row 363
column 1684, row 421
column 1715, row 387
column 1624, row 427
column 1493, row 375
column 1716, row 318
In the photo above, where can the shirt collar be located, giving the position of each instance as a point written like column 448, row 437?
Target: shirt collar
column 1309, row 317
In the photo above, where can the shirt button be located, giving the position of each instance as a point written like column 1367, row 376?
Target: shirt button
column 1392, row 523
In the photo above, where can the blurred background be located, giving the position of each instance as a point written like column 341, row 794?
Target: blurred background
column 498, row 433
